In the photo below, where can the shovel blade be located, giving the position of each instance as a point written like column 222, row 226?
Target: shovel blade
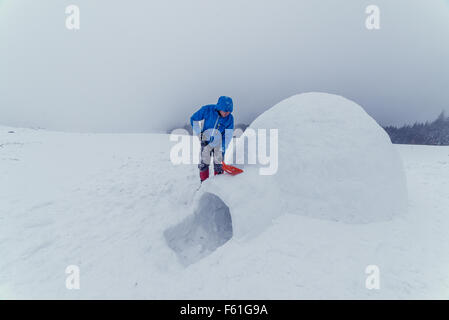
column 231, row 170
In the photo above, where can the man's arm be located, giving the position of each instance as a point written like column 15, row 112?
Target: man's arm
column 195, row 119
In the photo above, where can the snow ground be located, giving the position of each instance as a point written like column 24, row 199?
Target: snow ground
column 104, row 202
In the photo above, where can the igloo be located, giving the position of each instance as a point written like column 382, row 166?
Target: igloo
column 334, row 162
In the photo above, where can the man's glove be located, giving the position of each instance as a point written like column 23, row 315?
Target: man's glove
column 202, row 142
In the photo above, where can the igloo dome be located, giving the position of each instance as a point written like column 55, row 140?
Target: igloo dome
column 334, row 162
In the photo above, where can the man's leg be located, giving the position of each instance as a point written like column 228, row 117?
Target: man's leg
column 204, row 161
column 218, row 159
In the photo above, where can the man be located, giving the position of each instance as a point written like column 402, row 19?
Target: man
column 215, row 135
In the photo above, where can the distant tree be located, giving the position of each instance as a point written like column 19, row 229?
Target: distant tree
column 433, row 133
column 441, row 118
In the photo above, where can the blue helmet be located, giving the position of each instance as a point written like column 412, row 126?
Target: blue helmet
column 225, row 104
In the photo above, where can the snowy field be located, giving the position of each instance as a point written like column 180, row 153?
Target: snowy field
column 104, row 202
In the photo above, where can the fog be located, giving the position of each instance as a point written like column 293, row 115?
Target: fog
column 146, row 65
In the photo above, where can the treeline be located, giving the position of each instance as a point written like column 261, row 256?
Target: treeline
column 430, row 133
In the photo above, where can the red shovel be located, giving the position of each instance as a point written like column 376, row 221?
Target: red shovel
column 231, row 170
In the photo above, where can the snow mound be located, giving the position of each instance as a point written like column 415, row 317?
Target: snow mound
column 202, row 233
column 335, row 161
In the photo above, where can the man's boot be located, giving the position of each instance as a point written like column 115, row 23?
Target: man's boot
column 204, row 171
column 204, row 174
column 218, row 168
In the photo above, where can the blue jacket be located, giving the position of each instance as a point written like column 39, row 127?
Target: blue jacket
column 213, row 120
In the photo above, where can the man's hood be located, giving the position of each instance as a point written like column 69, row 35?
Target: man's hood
column 225, row 104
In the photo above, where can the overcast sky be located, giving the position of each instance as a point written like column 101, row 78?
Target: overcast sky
column 147, row 65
